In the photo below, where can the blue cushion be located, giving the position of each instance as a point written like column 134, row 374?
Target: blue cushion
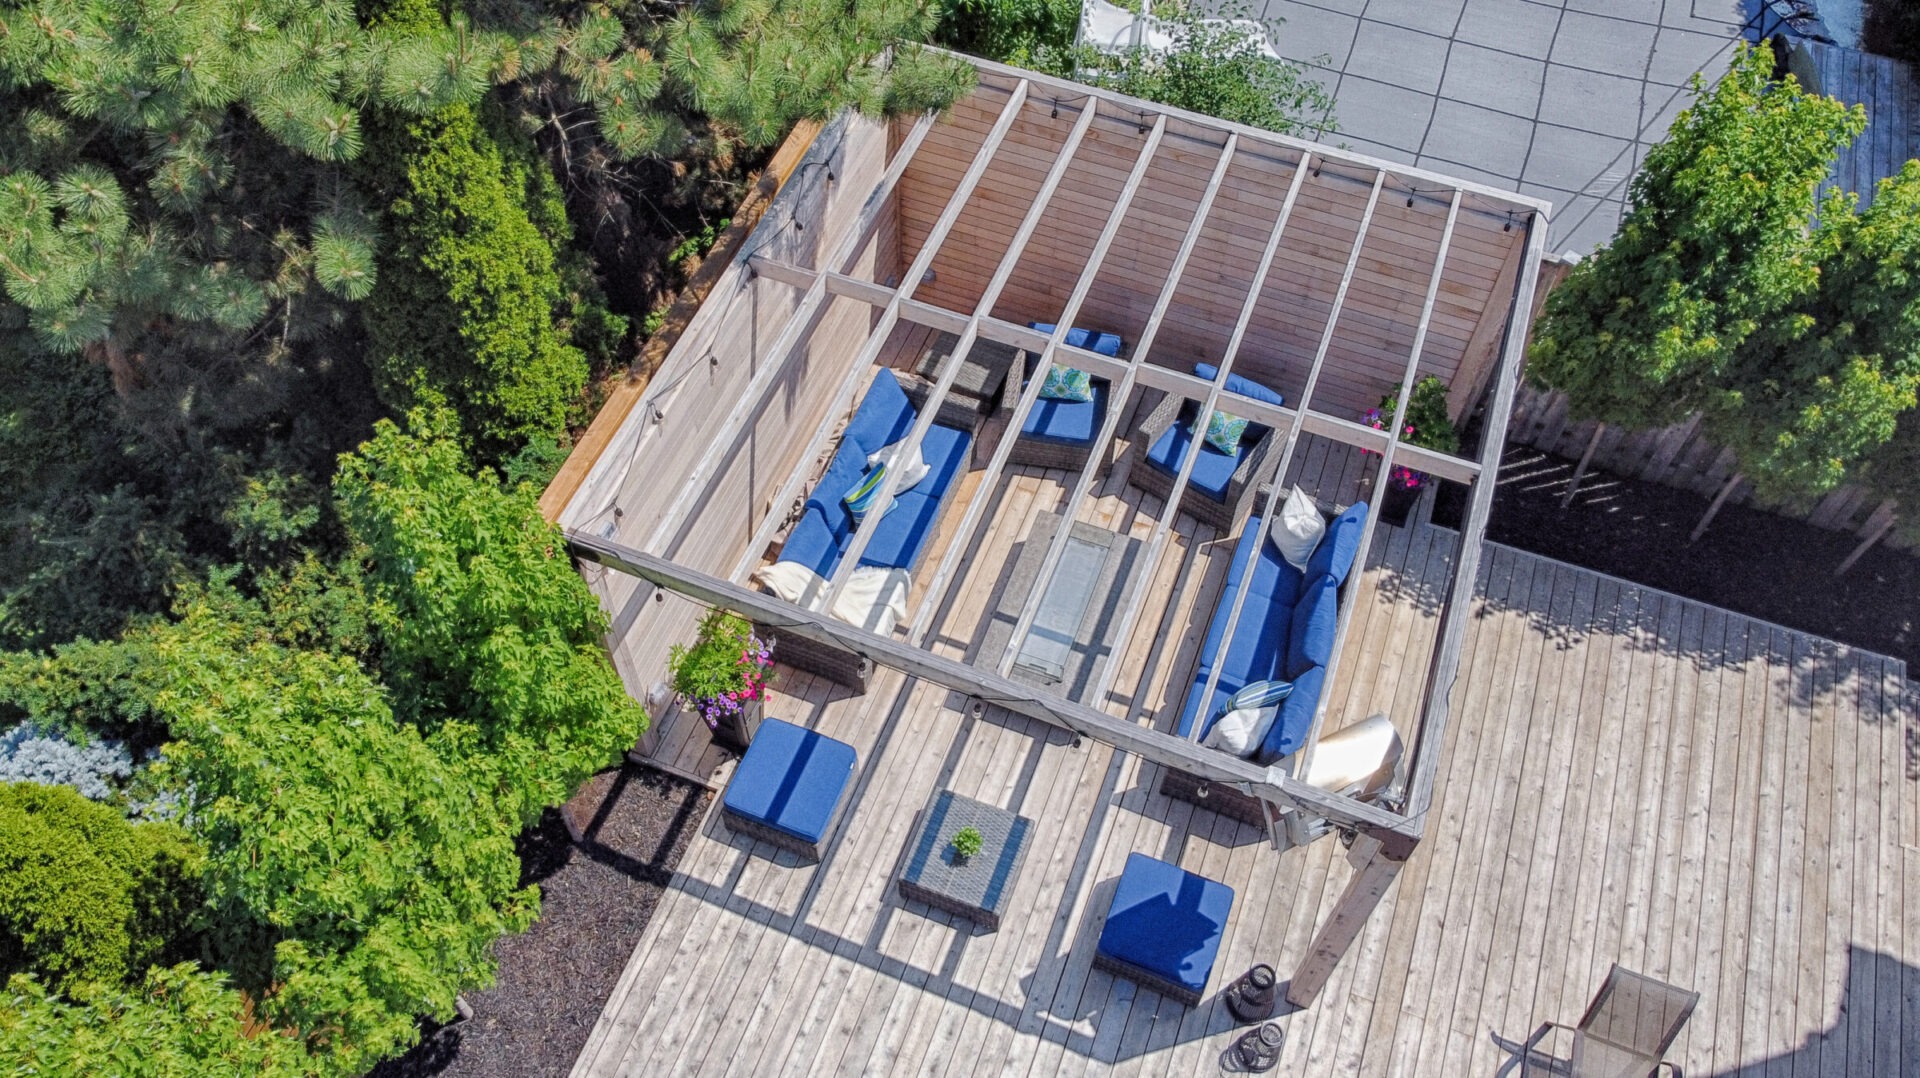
column 1105, row 344
column 902, row 535
column 1212, row 472
column 1316, row 621
column 1067, row 422
column 1246, row 387
column 812, row 544
column 1290, row 727
column 1166, row 921
column 1334, row 555
column 791, row 779
column 1264, row 622
column 883, row 418
column 842, row 474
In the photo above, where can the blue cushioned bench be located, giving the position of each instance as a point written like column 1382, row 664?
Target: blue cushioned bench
column 1287, row 629
column 825, row 528
column 788, row 788
column 1164, row 928
column 1059, row 434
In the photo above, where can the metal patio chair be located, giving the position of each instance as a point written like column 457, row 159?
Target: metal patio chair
column 1626, row 1031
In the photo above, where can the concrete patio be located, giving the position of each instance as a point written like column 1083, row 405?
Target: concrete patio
column 1558, row 100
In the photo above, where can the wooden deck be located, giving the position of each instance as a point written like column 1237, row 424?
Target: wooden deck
column 1595, row 724
column 1891, row 95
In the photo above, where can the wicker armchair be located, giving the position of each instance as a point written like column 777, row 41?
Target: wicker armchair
column 1224, row 514
column 1065, row 454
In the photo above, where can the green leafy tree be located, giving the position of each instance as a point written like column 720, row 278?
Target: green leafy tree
column 180, row 1021
column 1821, row 385
column 87, row 899
column 1716, row 242
column 489, row 637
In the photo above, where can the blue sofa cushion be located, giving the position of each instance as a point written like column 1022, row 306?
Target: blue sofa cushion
column 812, row 544
column 791, row 779
column 1334, row 555
column 1212, row 471
column 1316, row 621
column 828, row 496
column 1068, row 422
column 902, row 535
column 883, row 418
column 1273, row 586
column 1105, row 344
column 1246, row 387
column 1290, row 727
column 1166, row 921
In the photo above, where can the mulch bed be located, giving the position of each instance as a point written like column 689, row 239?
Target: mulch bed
column 1753, row 562
column 595, row 901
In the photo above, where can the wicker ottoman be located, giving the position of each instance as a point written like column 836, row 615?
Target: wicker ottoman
column 1164, row 928
column 789, row 788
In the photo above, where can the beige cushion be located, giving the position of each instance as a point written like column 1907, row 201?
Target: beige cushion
column 1298, row 529
column 1240, row 732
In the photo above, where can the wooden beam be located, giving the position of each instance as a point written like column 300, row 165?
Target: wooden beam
column 877, row 337
column 1336, row 935
column 1430, row 739
column 1269, row 784
column 791, row 343
column 1384, row 471
column 976, row 506
column 1116, row 404
column 1293, row 435
column 1009, row 260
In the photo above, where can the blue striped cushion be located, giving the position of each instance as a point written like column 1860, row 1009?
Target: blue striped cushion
column 862, row 496
column 1259, row 694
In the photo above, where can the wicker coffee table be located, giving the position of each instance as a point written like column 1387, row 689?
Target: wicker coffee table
column 978, row 887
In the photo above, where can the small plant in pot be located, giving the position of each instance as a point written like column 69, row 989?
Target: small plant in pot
column 966, row 843
column 723, row 676
column 1425, row 424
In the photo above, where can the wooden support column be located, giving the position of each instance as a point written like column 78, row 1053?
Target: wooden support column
column 1713, row 510
column 1878, row 532
column 1373, row 874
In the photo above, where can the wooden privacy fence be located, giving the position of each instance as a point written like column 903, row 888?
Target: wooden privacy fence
column 1680, row 456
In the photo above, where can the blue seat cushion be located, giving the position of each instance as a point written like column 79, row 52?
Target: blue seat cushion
column 1334, row 555
column 1212, row 470
column 1105, row 344
column 1316, row 621
column 883, row 418
column 1246, row 387
column 1290, row 727
column 1068, row 422
column 1166, row 921
column 901, row 535
column 791, row 779
column 812, row 544
column 1264, row 622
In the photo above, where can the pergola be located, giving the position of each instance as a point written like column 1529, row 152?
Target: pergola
column 1340, row 277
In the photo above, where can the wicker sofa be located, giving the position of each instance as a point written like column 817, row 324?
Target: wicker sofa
column 1060, row 434
column 1287, row 630
column 825, row 528
column 1220, row 489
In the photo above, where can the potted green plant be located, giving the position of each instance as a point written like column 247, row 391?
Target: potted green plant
column 723, row 676
column 1427, row 425
column 966, row 842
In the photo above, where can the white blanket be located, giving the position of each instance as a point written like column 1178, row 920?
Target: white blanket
column 874, row 599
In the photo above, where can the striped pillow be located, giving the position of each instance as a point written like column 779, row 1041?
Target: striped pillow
column 1259, row 694
column 864, row 493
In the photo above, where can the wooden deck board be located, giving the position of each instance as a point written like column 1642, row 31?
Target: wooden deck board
column 1630, row 777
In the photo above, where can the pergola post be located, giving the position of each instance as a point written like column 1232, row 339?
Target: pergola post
column 1374, row 872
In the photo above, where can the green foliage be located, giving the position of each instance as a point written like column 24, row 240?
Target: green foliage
column 466, row 314
column 357, row 871
column 489, row 636
column 180, row 1021
column 967, row 841
column 698, row 244
column 1011, row 31
column 1716, row 241
column 88, row 899
column 1426, row 420
column 1820, row 385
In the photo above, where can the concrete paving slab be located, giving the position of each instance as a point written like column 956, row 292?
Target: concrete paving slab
column 1659, row 110
column 1431, row 16
column 1373, row 149
column 1344, row 7
column 1608, row 104
column 1677, row 54
column 1599, row 43
column 1469, row 172
column 1520, row 27
column 1499, row 142
column 1380, row 113
column 1493, row 80
column 1647, row 11
column 1312, row 34
column 1398, row 57
column 1579, row 161
column 1707, row 16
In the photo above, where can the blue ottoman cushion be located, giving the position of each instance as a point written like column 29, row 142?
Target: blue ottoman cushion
column 1166, row 921
column 791, row 779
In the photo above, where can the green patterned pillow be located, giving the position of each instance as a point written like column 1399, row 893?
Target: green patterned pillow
column 1067, row 384
column 864, row 493
column 1224, row 431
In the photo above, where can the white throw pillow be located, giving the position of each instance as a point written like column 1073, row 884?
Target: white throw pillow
column 1298, row 529
column 1241, row 732
column 874, row 599
column 912, row 471
column 793, row 582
